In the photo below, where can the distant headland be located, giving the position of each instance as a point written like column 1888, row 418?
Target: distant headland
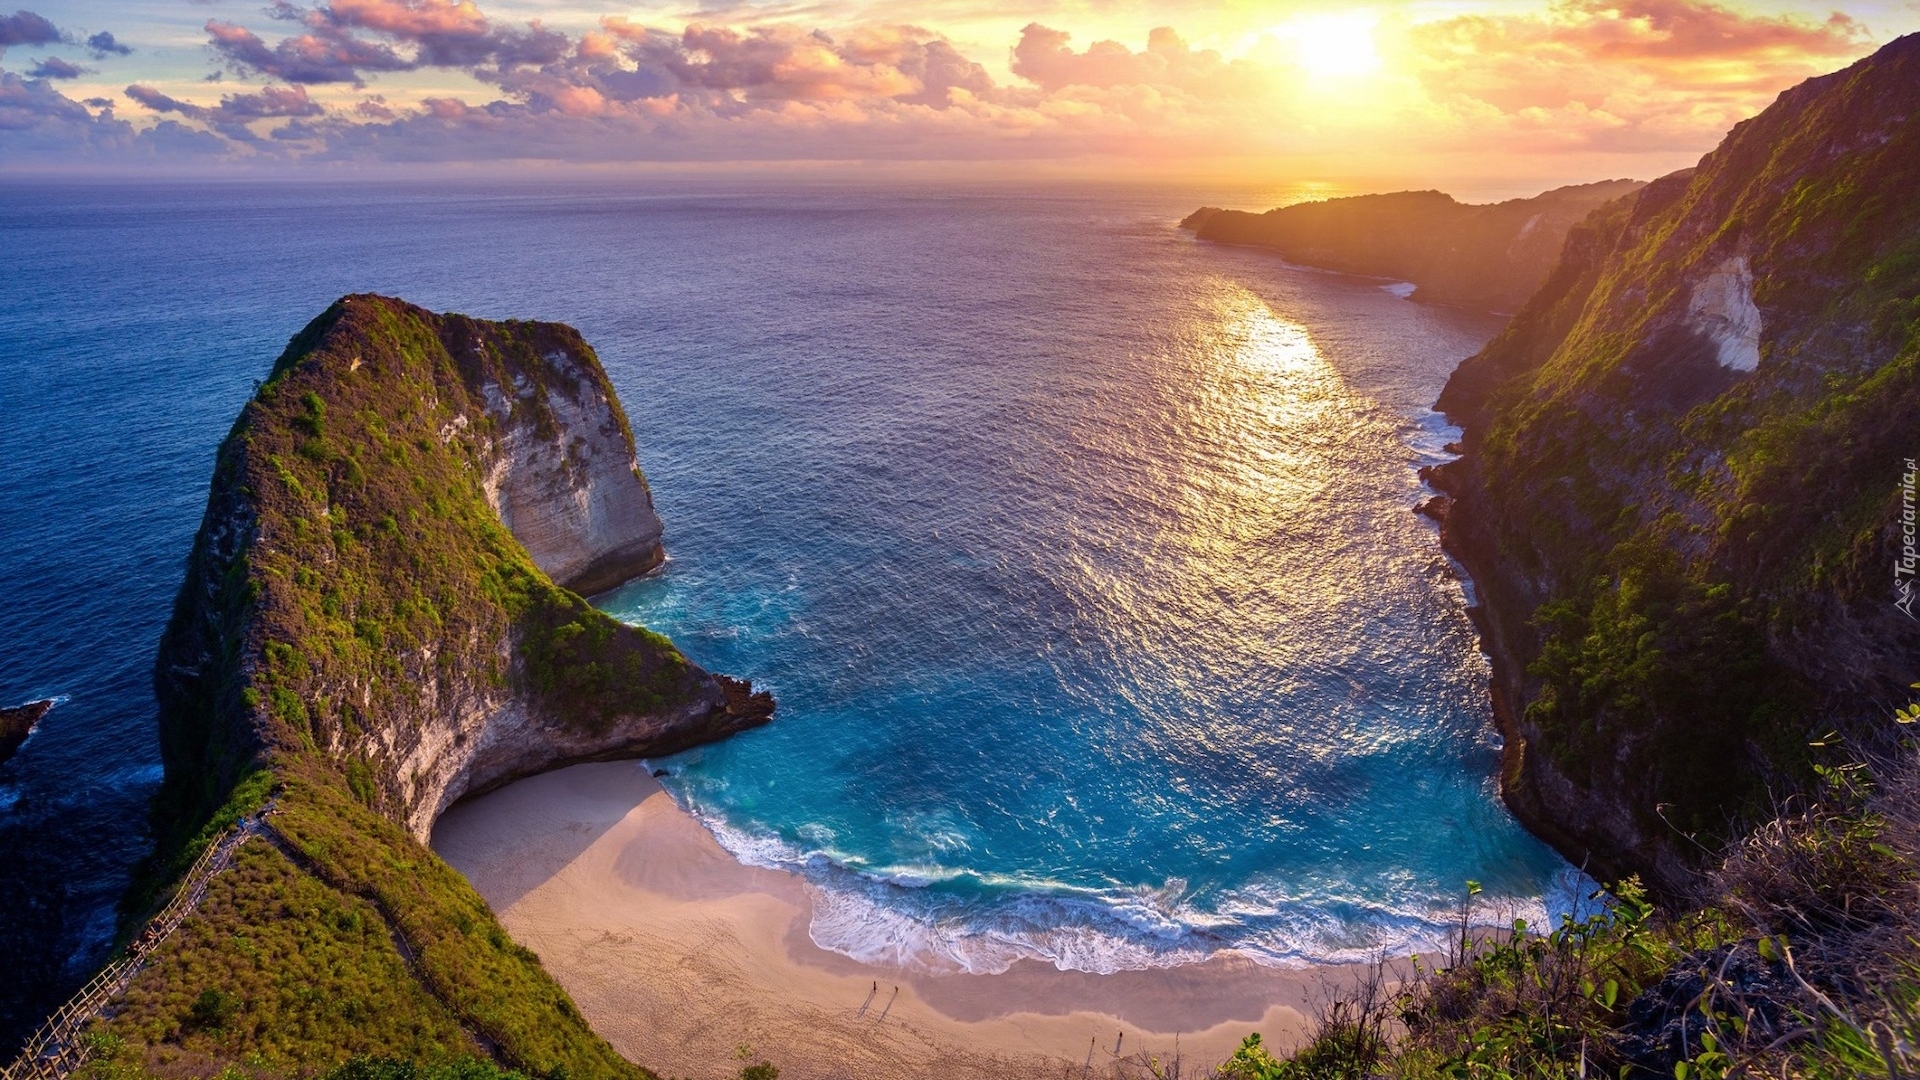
column 1490, row 256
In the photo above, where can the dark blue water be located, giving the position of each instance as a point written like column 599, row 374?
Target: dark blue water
column 1080, row 555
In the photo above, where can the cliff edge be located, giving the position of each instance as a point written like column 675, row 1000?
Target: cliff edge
column 376, row 620
column 1681, row 493
column 1491, row 256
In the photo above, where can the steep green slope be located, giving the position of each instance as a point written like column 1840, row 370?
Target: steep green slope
column 359, row 641
column 1486, row 256
column 1680, row 499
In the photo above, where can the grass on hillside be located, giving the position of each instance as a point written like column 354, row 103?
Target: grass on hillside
column 354, row 941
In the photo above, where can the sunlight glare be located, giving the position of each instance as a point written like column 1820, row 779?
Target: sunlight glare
column 1335, row 45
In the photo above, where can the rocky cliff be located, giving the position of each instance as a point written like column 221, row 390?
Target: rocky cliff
column 374, row 623
column 1681, row 496
column 1489, row 256
column 562, row 475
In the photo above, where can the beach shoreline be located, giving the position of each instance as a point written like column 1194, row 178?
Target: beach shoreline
column 678, row 954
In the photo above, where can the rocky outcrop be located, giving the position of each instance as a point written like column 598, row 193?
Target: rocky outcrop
column 353, row 594
column 565, row 480
column 1680, row 493
column 362, row 638
column 18, row 722
column 1490, row 256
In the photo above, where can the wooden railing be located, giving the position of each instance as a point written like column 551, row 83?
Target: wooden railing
column 56, row 1049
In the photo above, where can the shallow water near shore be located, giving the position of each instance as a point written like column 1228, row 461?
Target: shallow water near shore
column 1103, row 628
column 1080, row 555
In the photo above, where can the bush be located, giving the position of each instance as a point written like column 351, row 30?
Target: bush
column 212, row 1009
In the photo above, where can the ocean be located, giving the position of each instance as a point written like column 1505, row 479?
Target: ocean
column 1081, row 556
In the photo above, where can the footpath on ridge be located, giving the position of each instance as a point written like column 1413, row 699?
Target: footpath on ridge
column 56, row 1049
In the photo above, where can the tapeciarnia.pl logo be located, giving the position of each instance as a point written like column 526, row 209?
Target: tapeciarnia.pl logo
column 1903, row 567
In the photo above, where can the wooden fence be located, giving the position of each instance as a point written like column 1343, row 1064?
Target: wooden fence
column 56, row 1049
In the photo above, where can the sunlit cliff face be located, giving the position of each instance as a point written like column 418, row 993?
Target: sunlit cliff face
column 1230, row 90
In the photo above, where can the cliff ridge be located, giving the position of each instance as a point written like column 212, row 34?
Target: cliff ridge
column 1680, row 493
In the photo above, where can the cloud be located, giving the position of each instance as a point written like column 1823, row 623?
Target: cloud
column 53, row 67
column 1636, row 76
column 448, row 34
column 25, row 104
column 102, row 45
column 1629, row 75
column 1044, row 57
column 40, row 125
column 325, row 56
column 235, row 111
column 233, row 117
column 333, row 46
column 767, row 65
column 27, row 28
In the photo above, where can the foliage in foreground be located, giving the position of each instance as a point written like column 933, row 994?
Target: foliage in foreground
column 1801, row 961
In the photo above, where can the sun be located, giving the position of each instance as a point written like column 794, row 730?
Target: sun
column 1334, row 45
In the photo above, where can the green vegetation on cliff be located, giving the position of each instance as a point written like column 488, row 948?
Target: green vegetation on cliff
column 1682, row 505
column 1680, row 498
column 358, row 641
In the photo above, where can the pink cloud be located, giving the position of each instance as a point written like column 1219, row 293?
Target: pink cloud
column 321, row 56
column 413, row 20
column 1638, row 75
column 1044, row 57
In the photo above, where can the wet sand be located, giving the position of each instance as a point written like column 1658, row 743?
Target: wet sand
column 679, row 955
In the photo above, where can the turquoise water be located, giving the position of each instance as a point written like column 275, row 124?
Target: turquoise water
column 1080, row 555
column 1082, row 560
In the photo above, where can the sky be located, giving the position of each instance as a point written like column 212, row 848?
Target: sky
column 1416, row 91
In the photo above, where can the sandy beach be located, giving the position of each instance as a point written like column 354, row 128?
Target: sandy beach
column 680, row 955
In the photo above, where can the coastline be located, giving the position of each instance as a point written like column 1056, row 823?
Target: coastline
column 678, row 954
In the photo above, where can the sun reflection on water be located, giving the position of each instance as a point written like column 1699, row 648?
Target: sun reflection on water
column 1266, row 498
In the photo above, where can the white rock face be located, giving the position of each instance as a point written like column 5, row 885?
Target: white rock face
column 1722, row 309
column 482, row 740
column 571, row 491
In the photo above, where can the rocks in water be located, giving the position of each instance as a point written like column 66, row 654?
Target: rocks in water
column 382, row 614
column 564, row 479
column 17, row 723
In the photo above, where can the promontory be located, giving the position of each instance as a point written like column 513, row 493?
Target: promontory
column 382, row 613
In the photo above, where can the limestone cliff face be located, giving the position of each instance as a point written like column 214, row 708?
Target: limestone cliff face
column 379, row 579
column 566, row 483
column 1680, row 497
column 1490, row 256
